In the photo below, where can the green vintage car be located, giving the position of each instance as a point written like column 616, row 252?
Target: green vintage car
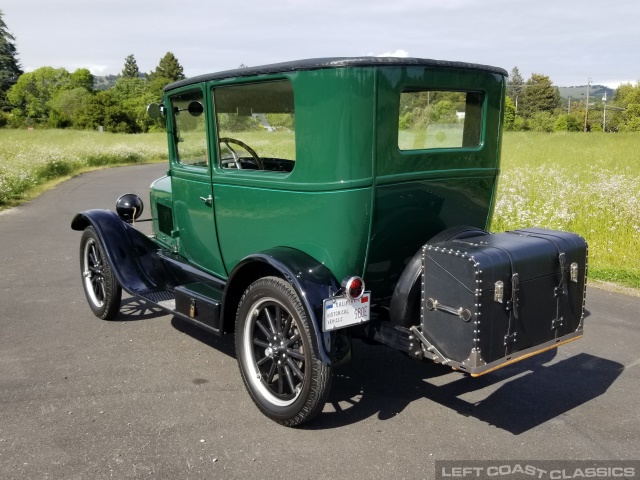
column 300, row 205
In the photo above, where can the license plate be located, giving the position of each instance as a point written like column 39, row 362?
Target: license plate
column 340, row 312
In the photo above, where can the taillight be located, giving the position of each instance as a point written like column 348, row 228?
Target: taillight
column 354, row 287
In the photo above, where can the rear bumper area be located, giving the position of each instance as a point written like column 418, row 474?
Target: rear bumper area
column 476, row 367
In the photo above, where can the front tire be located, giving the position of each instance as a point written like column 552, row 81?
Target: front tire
column 100, row 285
column 280, row 370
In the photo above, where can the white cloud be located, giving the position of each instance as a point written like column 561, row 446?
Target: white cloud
column 616, row 83
column 96, row 69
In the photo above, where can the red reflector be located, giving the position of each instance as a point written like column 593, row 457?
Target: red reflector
column 355, row 288
column 364, row 300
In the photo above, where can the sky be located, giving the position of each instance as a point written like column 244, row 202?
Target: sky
column 570, row 41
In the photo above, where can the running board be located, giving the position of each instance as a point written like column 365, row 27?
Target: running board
column 197, row 303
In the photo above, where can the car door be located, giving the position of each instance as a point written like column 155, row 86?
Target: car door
column 192, row 192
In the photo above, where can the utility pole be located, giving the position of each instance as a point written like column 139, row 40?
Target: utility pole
column 586, row 111
column 569, row 107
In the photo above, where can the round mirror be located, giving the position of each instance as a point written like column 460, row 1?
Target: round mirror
column 154, row 111
column 129, row 207
column 195, row 108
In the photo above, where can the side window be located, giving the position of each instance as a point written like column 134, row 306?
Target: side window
column 189, row 128
column 256, row 126
column 431, row 119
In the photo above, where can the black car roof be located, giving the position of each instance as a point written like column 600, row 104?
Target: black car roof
column 336, row 62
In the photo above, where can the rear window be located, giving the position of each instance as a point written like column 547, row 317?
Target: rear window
column 435, row 119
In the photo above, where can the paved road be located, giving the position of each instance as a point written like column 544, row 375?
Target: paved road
column 147, row 395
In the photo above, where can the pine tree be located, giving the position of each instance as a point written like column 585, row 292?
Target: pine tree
column 9, row 67
column 515, row 84
column 539, row 95
column 130, row 68
column 169, row 68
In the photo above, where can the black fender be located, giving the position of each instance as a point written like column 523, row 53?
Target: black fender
column 312, row 281
column 405, row 301
column 129, row 252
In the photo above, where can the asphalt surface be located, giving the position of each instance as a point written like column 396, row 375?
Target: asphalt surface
column 147, row 395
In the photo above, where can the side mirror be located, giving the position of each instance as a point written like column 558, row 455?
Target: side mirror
column 129, row 207
column 195, row 109
column 154, row 111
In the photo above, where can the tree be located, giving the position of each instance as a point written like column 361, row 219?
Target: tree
column 514, row 84
column 509, row 113
column 10, row 69
column 82, row 78
column 169, row 68
column 67, row 107
column 539, row 95
column 130, row 69
column 627, row 97
column 34, row 92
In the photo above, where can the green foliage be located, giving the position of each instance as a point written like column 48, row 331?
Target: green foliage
column 514, row 84
column 30, row 158
column 561, row 124
column 588, row 184
column 509, row 114
column 237, row 123
column 130, row 69
column 539, row 95
column 67, row 107
column 61, row 99
column 420, row 109
column 82, row 78
column 541, row 122
column 627, row 98
column 281, row 120
column 519, row 124
column 35, row 92
column 567, row 123
column 168, row 70
column 9, row 67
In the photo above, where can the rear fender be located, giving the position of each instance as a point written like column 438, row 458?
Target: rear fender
column 313, row 283
column 131, row 254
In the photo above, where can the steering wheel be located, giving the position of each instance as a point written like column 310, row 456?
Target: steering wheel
column 236, row 160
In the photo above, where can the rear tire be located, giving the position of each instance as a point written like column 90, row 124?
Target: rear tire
column 274, row 345
column 100, row 285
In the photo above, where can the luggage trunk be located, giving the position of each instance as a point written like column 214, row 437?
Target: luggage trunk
column 492, row 300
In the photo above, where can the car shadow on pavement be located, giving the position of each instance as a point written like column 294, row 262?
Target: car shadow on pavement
column 224, row 344
column 516, row 398
column 133, row 309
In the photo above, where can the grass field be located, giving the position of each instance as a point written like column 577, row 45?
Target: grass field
column 32, row 158
column 588, row 184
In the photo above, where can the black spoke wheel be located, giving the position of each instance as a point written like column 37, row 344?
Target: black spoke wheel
column 285, row 379
column 100, row 285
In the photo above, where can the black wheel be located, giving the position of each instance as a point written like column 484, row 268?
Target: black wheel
column 285, row 379
column 100, row 285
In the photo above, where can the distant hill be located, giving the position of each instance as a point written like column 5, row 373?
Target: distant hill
column 580, row 92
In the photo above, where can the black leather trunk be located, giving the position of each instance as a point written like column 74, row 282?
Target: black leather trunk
column 542, row 274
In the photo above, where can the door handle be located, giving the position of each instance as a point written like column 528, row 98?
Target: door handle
column 207, row 200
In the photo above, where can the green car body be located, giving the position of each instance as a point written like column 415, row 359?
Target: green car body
column 354, row 201
column 290, row 184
